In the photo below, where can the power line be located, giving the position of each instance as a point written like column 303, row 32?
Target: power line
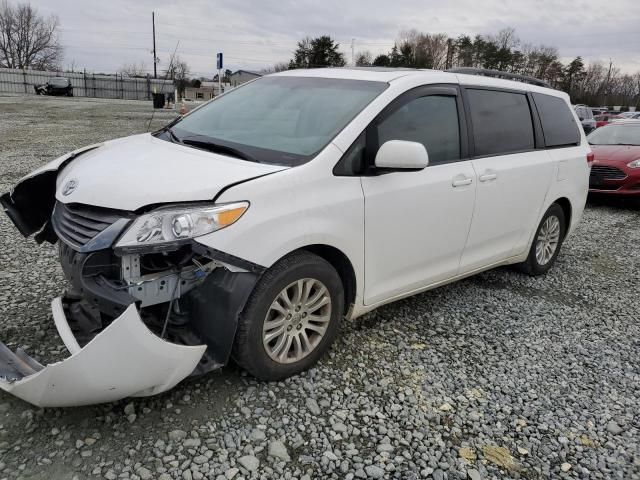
column 199, row 53
column 189, row 37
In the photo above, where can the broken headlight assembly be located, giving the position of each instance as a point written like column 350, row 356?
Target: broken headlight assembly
column 176, row 224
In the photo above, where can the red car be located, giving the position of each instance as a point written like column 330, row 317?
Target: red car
column 616, row 165
column 604, row 119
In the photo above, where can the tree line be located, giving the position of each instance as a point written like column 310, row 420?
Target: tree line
column 30, row 40
column 594, row 84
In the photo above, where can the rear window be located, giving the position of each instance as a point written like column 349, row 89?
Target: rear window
column 558, row 123
column 58, row 82
column 616, row 134
column 501, row 122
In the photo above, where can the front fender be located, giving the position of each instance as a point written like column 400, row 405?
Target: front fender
column 30, row 203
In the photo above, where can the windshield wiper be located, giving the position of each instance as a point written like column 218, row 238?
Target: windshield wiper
column 173, row 136
column 217, row 148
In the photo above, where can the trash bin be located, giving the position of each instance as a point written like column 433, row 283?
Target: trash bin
column 158, row 100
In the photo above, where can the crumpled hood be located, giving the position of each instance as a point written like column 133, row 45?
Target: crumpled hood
column 612, row 154
column 132, row 172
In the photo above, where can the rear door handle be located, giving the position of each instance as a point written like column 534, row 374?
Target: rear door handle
column 487, row 177
column 461, row 182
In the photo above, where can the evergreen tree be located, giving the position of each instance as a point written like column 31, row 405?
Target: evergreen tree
column 317, row 52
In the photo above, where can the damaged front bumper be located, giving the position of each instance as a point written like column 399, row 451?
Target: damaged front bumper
column 125, row 359
column 135, row 322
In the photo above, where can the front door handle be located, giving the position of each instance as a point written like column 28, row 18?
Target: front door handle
column 461, row 182
column 487, row 177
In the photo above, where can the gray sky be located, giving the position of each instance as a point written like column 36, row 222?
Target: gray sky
column 104, row 35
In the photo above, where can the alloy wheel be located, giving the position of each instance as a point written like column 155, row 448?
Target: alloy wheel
column 296, row 321
column 548, row 240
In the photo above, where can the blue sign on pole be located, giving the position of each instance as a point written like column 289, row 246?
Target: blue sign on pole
column 219, row 60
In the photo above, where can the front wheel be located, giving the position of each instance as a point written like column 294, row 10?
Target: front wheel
column 291, row 318
column 546, row 243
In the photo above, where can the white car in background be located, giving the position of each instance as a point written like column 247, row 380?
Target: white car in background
column 249, row 228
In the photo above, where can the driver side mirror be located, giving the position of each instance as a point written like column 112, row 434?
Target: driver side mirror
column 402, row 155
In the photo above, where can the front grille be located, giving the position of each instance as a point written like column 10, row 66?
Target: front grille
column 607, row 173
column 78, row 224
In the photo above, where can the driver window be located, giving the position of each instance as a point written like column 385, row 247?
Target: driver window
column 430, row 120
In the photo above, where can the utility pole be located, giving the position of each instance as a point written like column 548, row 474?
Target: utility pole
column 220, row 65
column 353, row 59
column 155, row 57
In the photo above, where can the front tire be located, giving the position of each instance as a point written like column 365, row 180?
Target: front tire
column 546, row 242
column 291, row 318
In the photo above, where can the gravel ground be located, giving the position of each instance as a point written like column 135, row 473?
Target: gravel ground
column 497, row 376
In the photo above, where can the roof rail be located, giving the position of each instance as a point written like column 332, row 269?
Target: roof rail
column 498, row 74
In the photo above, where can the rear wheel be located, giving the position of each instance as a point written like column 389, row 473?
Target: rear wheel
column 546, row 243
column 291, row 318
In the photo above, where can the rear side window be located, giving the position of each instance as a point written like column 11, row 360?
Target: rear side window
column 558, row 123
column 501, row 122
column 432, row 121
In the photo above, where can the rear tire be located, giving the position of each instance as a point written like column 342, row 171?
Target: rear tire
column 546, row 242
column 291, row 318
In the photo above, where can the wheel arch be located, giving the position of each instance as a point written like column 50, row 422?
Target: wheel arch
column 565, row 204
column 343, row 266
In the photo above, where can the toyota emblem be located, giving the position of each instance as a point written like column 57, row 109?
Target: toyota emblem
column 69, row 187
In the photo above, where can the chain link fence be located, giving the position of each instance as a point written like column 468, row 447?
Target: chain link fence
column 86, row 84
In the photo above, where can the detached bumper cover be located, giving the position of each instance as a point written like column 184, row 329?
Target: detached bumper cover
column 125, row 359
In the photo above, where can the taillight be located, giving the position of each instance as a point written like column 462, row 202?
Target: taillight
column 591, row 157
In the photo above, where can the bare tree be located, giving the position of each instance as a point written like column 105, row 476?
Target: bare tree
column 433, row 48
column 626, row 89
column 275, row 68
column 505, row 38
column 179, row 72
column 281, row 67
column 424, row 50
column 27, row 39
column 364, row 59
column 134, row 69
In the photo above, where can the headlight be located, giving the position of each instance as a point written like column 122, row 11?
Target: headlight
column 175, row 224
column 634, row 164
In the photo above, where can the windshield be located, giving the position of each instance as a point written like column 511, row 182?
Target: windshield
column 281, row 120
column 616, row 135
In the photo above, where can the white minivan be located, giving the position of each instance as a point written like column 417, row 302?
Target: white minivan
column 249, row 228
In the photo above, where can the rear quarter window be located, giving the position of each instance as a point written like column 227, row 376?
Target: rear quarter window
column 558, row 123
column 501, row 121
